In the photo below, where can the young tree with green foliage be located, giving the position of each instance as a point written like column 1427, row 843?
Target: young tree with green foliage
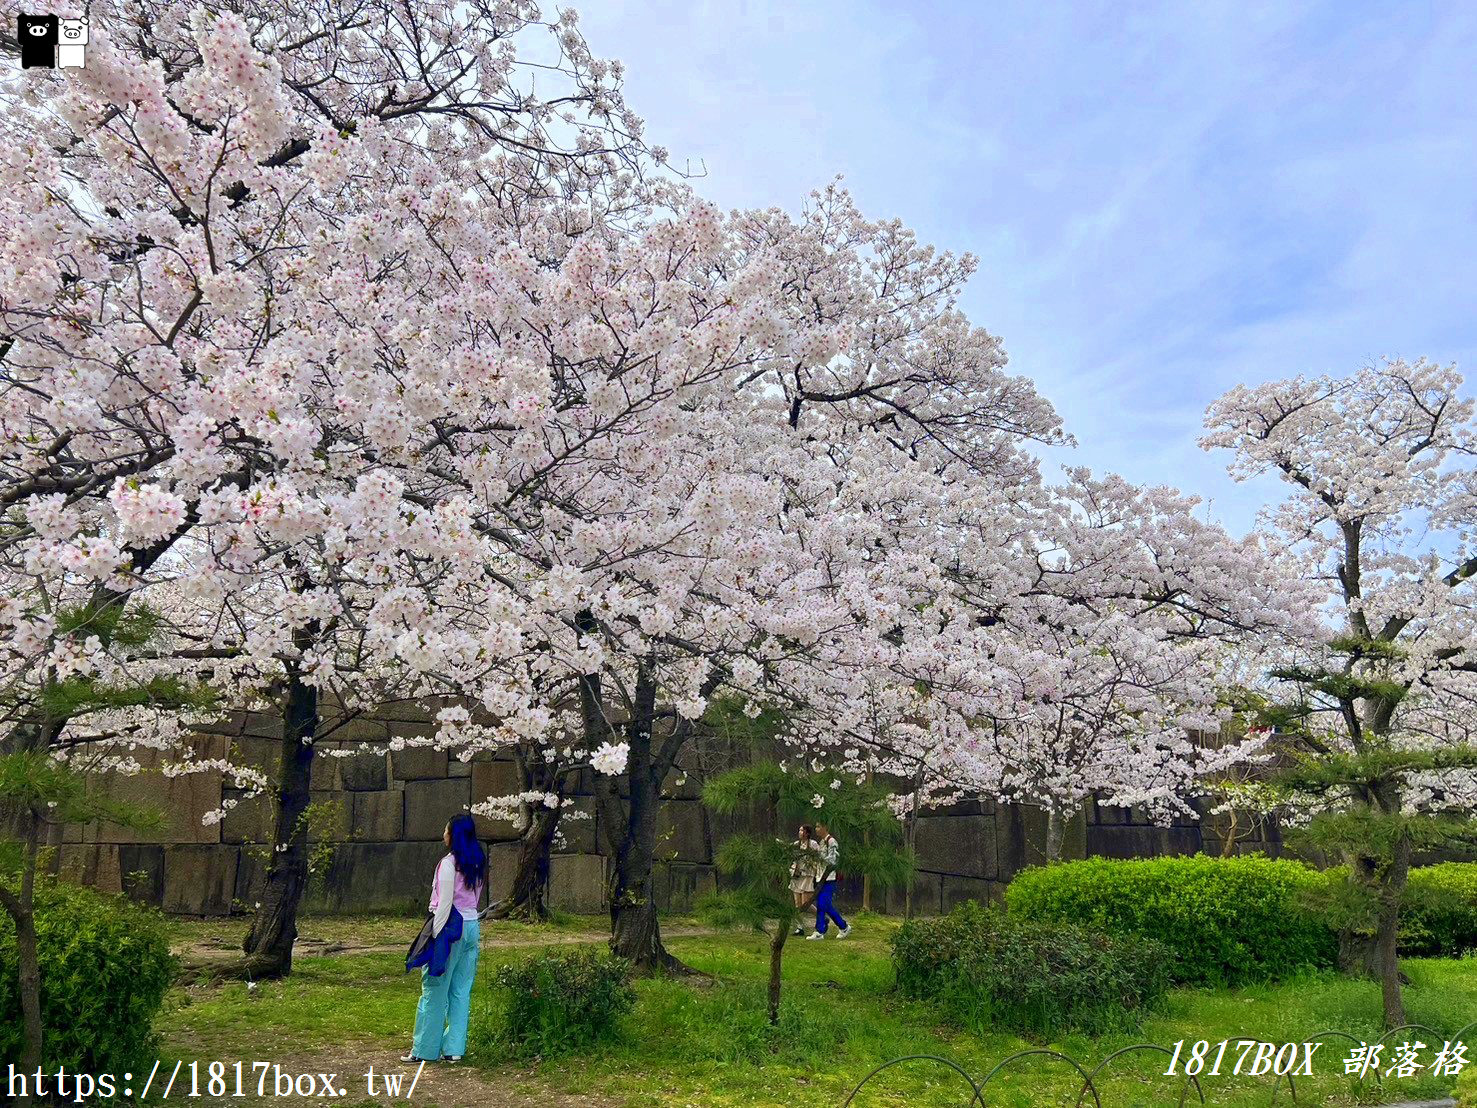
column 1383, row 514
column 759, row 866
column 60, row 726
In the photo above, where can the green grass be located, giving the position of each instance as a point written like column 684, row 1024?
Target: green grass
column 710, row 1045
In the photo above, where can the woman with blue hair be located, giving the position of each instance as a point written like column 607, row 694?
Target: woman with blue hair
column 449, row 960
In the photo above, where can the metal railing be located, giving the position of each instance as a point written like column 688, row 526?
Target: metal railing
column 1090, row 1077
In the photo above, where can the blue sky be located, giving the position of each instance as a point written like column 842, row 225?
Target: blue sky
column 1166, row 199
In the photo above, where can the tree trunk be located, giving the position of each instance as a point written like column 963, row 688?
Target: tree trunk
column 635, row 930
column 910, row 838
column 776, row 957
column 1228, row 845
column 1358, row 948
column 268, row 945
column 1056, row 833
column 22, row 910
column 1387, row 936
column 528, row 898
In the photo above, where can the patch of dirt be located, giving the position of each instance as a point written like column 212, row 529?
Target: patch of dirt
column 440, row 1085
column 218, row 950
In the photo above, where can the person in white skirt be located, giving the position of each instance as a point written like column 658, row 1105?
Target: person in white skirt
column 803, row 870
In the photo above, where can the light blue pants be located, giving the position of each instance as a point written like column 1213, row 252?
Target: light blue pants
column 446, row 1001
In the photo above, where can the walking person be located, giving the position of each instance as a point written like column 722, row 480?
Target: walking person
column 825, row 910
column 803, row 869
column 450, row 962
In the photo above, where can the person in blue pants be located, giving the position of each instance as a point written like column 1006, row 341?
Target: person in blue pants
column 825, row 909
column 446, row 998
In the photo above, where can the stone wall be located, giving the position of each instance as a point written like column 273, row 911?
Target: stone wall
column 384, row 813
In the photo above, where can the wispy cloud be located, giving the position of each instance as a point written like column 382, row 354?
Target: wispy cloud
column 1166, row 199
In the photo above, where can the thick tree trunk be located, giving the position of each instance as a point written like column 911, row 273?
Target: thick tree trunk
column 268, row 945
column 635, row 931
column 528, row 898
column 776, row 961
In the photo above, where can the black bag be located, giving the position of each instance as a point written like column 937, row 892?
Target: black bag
column 416, row 954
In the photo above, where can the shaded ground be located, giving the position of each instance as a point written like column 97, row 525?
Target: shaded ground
column 206, row 941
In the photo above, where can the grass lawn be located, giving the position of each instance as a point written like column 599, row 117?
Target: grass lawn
column 710, row 1045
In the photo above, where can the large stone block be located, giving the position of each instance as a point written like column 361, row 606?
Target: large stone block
column 378, row 817
column 968, row 806
column 141, row 870
column 1180, row 840
column 332, row 816
column 409, row 711
column 927, row 896
column 848, row 896
column 1140, row 841
column 199, row 880
column 429, row 806
column 356, row 731
column 752, row 818
column 678, row 886
column 183, row 800
column 502, row 864
column 251, row 875
column 250, row 821
column 956, row 844
column 576, row 833
column 1033, row 822
column 954, row 891
column 325, row 766
column 418, row 763
column 577, row 883
column 491, row 779
column 682, row 784
column 93, row 865
column 364, row 772
column 379, row 877
column 263, row 754
column 262, row 725
column 682, row 833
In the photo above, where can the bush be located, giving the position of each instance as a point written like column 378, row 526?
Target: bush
column 1439, row 913
column 556, row 1004
column 105, row 966
column 1226, row 921
column 987, row 969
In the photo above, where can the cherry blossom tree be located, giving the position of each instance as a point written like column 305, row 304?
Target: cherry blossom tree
column 1380, row 514
column 226, row 229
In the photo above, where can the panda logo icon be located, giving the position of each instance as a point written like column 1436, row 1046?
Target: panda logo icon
column 39, row 37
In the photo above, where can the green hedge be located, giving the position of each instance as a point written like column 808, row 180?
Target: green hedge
column 1439, row 913
column 553, row 1004
column 988, row 970
column 105, row 966
column 1225, row 920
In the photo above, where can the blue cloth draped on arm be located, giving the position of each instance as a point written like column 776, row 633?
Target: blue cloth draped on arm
column 434, row 951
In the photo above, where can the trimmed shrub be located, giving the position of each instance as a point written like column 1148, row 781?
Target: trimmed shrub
column 1226, row 921
column 555, row 1004
column 105, row 966
column 988, row 970
column 1439, row 913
